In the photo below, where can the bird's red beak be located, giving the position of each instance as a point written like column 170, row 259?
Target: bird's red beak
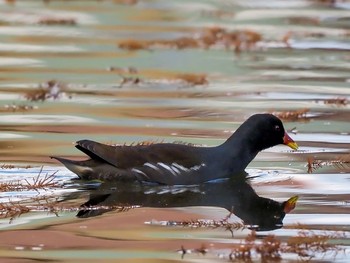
column 290, row 204
column 289, row 142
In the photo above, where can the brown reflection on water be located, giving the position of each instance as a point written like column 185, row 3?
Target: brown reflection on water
column 125, row 232
column 102, row 232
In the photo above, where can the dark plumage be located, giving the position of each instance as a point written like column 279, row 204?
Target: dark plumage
column 172, row 164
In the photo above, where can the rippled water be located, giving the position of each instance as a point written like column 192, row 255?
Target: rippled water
column 301, row 62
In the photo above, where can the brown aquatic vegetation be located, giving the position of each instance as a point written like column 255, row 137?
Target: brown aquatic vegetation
column 57, row 21
column 241, row 40
column 306, row 245
column 292, row 115
column 128, row 75
column 302, row 20
column 269, row 249
column 50, row 89
column 238, row 41
column 132, row 76
column 130, row 80
column 342, row 162
column 133, row 44
column 52, row 205
column 11, row 166
column 12, row 210
column 42, row 183
column 43, row 203
column 337, row 101
column 193, row 79
column 37, row 183
column 180, row 43
column 123, row 71
column 244, row 249
column 7, row 166
column 198, row 223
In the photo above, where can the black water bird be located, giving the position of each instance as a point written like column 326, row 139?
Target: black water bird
column 177, row 164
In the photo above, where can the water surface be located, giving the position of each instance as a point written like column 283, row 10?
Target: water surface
column 291, row 56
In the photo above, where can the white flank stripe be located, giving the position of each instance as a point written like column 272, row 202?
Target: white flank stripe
column 139, row 171
column 167, row 168
column 151, row 166
column 175, row 169
column 180, row 167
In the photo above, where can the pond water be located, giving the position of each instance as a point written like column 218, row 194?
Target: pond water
column 191, row 71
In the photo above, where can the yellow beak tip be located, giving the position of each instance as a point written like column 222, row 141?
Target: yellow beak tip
column 293, row 199
column 293, row 145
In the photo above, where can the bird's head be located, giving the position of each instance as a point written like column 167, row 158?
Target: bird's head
column 266, row 130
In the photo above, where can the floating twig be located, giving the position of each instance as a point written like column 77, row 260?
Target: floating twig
column 341, row 163
column 50, row 89
column 337, row 101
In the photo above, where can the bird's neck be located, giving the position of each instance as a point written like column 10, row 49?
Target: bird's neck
column 237, row 152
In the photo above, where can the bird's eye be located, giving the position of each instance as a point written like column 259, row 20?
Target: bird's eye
column 277, row 128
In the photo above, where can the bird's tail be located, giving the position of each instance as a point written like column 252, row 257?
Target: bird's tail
column 78, row 167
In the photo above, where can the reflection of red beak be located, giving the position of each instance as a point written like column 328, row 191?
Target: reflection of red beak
column 289, row 142
column 290, row 204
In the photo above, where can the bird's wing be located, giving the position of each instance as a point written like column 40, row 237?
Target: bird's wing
column 161, row 163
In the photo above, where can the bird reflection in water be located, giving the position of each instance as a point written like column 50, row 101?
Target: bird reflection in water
column 234, row 194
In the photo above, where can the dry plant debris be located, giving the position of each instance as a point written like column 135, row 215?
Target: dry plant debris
column 11, row 166
column 131, row 76
column 302, row 20
column 7, row 166
column 306, row 245
column 128, row 75
column 131, row 44
column 292, row 115
column 36, row 184
column 193, row 79
column 200, row 223
column 337, row 101
column 12, row 210
column 42, row 183
column 50, row 89
column 240, row 40
column 43, row 203
column 52, row 205
column 57, row 21
column 340, row 163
